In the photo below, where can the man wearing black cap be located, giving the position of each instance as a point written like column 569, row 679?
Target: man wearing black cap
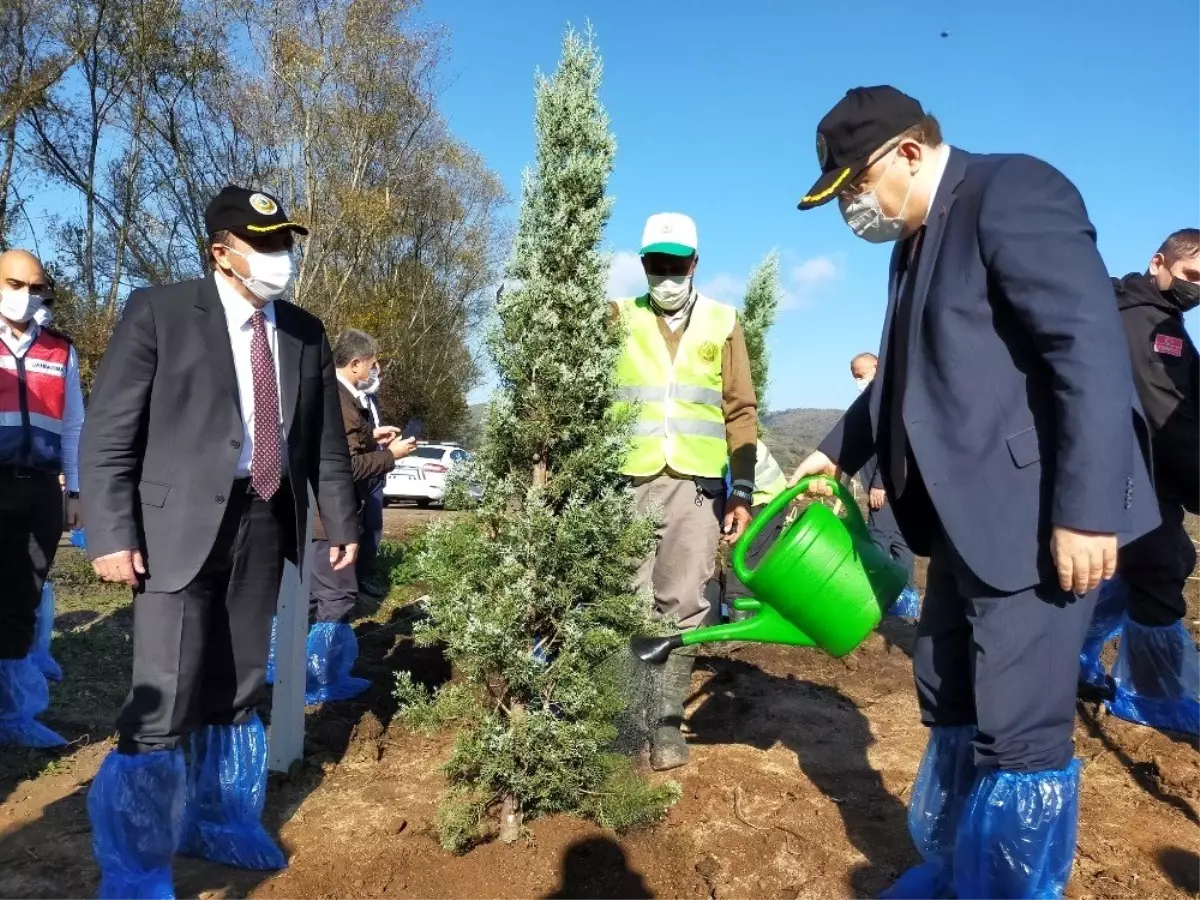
column 213, row 411
column 1019, row 481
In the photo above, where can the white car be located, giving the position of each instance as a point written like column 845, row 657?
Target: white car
column 421, row 476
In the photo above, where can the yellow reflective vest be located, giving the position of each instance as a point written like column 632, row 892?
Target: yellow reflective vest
column 682, row 421
column 769, row 480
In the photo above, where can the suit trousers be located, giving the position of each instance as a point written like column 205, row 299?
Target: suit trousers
column 685, row 553
column 200, row 653
column 885, row 532
column 333, row 594
column 1005, row 663
column 371, row 535
column 31, row 524
column 1156, row 568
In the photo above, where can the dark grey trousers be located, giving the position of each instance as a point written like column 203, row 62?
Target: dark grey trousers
column 1007, row 663
column 200, row 654
column 333, row 594
column 31, row 523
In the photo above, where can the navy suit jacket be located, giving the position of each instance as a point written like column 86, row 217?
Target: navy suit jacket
column 1018, row 398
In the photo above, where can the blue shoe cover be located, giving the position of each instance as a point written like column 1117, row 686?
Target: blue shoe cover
column 1157, row 677
column 271, row 655
column 43, row 634
column 136, row 808
column 1017, row 835
column 226, row 790
column 939, row 794
column 78, row 538
column 332, row 651
column 1106, row 621
column 23, row 695
column 907, row 605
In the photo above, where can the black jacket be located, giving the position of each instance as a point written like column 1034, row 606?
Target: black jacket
column 160, row 447
column 1166, row 370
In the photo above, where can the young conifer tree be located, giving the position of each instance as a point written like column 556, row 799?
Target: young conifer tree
column 530, row 592
column 758, row 315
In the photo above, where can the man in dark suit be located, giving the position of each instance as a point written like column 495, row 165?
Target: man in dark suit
column 1019, row 481
column 332, row 645
column 213, row 411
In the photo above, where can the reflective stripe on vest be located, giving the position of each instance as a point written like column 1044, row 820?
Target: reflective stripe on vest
column 682, row 423
column 33, row 399
column 769, row 480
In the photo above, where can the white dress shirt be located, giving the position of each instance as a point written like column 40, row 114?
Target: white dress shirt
column 238, row 311
column 72, row 423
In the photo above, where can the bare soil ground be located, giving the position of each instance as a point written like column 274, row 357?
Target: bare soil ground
column 797, row 786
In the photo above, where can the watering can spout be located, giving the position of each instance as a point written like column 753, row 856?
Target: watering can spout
column 765, row 627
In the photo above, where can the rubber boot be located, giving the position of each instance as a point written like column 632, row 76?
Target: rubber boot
column 44, row 634
column 135, row 805
column 944, row 782
column 668, row 749
column 226, row 790
column 24, row 694
column 1157, row 677
column 1094, row 683
column 907, row 605
column 332, row 651
column 1017, row 835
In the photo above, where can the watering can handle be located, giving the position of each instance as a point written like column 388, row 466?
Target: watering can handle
column 780, row 503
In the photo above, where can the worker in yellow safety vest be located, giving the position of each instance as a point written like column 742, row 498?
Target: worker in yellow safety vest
column 685, row 364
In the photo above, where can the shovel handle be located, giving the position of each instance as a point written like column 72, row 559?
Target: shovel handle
column 780, row 504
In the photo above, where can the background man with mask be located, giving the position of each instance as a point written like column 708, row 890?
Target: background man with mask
column 332, row 646
column 880, row 522
column 685, row 362
column 214, row 409
column 1157, row 672
column 371, row 535
column 1018, row 483
column 41, row 414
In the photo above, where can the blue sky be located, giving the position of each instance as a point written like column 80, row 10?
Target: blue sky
column 715, row 105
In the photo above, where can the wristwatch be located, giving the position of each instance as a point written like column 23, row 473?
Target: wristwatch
column 741, row 494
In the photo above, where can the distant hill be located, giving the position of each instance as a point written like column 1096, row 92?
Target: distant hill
column 791, row 434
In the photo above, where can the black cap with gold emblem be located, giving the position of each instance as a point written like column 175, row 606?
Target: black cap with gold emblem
column 247, row 213
column 864, row 120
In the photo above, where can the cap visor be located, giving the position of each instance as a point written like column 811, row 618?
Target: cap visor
column 829, row 184
column 669, row 249
column 267, row 229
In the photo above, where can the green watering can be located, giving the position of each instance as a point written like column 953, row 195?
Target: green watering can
column 823, row 583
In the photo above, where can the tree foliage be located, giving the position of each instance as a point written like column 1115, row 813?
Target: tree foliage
column 531, row 593
column 141, row 110
column 758, row 315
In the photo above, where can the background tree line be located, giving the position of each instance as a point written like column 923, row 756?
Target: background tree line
column 119, row 119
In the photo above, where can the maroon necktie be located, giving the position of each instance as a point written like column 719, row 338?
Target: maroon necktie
column 264, row 463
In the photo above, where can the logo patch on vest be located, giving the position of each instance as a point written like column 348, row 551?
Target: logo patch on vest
column 1172, row 346
column 708, row 351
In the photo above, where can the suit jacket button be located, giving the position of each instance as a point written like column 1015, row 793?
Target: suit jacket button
column 236, row 445
column 220, row 498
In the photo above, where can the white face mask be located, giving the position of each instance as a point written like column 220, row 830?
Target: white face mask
column 862, row 384
column 18, row 305
column 670, row 292
column 370, row 384
column 865, row 216
column 42, row 315
column 270, row 273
